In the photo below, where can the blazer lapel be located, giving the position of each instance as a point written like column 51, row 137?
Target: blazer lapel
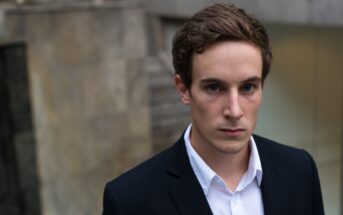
column 273, row 185
column 185, row 189
column 273, row 192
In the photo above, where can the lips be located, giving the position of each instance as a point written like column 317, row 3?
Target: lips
column 232, row 132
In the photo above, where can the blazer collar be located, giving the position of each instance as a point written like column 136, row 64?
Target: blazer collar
column 273, row 185
column 185, row 189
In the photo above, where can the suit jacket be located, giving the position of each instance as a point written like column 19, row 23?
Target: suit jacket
column 166, row 184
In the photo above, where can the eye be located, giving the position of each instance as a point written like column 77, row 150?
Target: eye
column 247, row 88
column 213, row 88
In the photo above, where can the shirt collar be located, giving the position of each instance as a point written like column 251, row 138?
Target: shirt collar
column 255, row 162
column 202, row 171
column 205, row 174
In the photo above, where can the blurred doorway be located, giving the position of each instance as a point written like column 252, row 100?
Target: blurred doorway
column 18, row 172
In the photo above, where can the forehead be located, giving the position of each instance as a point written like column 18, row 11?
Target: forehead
column 228, row 60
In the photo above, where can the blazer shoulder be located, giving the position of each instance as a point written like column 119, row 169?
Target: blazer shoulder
column 291, row 171
column 145, row 185
column 143, row 172
column 133, row 186
column 281, row 153
column 266, row 144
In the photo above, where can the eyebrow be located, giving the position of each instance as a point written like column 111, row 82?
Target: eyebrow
column 250, row 79
column 253, row 79
column 211, row 80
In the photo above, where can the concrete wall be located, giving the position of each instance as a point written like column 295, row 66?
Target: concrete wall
column 89, row 95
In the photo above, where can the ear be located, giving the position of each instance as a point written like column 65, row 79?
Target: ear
column 182, row 89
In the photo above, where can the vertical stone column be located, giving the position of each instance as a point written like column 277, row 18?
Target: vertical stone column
column 89, row 94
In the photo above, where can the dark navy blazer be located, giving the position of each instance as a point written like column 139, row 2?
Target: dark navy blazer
column 166, row 184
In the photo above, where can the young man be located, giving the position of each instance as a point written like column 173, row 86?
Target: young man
column 221, row 58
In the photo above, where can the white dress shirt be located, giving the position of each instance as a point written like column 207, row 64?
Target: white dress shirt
column 246, row 199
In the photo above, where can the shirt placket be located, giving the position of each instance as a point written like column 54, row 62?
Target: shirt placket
column 236, row 205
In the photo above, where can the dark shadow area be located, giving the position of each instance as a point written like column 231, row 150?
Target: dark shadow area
column 18, row 172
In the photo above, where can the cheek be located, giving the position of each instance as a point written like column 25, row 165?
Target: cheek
column 204, row 109
column 200, row 108
column 255, row 106
column 252, row 105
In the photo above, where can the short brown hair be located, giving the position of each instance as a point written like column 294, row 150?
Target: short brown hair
column 218, row 22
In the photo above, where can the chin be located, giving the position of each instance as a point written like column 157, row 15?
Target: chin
column 233, row 147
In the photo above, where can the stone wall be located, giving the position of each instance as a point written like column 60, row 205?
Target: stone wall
column 89, row 95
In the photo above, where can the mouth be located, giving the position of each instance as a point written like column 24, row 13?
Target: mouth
column 232, row 132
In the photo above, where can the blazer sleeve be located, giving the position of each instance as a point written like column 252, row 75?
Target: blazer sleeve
column 111, row 203
column 318, row 208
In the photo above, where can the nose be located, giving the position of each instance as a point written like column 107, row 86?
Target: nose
column 232, row 108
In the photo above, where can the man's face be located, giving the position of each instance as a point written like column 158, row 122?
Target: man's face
column 224, row 97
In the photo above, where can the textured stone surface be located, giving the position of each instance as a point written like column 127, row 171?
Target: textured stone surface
column 90, row 100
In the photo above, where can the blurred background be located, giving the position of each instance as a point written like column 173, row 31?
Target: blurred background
column 86, row 92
